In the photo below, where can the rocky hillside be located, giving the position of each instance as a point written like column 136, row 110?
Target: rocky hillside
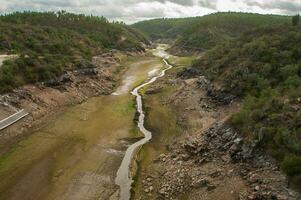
column 49, row 43
column 197, row 154
column 201, row 33
column 263, row 67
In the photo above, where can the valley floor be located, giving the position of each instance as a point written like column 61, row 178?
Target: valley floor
column 76, row 153
column 73, row 152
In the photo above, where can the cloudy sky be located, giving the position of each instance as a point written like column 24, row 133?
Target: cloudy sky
column 135, row 10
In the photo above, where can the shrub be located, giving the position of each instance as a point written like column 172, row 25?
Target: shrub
column 292, row 165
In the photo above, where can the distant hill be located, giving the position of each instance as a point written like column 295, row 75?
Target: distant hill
column 263, row 66
column 49, row 42
column 163, row 28
column 207, row 31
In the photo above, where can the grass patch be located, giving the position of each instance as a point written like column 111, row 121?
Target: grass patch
column 181, row 61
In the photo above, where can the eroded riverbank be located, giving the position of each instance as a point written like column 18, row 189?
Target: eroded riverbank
column 195, row 154
column 77, row 154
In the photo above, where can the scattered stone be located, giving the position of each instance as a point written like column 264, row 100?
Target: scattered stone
column 200, row 183
column 205, row 161
column 220, row 97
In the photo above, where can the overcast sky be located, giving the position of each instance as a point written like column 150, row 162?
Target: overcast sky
column 131, row 11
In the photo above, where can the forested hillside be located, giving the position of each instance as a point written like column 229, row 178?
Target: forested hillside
column 207, row 31
column 48, row 43
column 164, row 28
column 263, row 66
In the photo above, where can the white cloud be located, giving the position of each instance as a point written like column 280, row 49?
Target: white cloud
column 134, row 10
column 261, row 6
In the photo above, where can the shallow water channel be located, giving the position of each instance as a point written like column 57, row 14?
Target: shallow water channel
column 124, row 179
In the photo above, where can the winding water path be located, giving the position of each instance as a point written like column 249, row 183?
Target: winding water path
column 124, row 179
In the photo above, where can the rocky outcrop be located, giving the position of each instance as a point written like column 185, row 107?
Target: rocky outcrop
column 220, row 97
column 205, row 161
column 61, row 80
column 210, row 160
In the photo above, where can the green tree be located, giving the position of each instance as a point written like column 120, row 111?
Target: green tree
column 295, row 20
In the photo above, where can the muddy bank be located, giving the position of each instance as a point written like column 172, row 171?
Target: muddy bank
column 44, row 101
column 199, row 156
column 77, row 151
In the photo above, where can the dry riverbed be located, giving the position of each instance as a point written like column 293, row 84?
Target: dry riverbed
column 193, row 154
column 76, row 154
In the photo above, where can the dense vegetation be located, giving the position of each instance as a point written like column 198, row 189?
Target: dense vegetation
column 49, row 43
column 164, row 28
column 263, row 66
column 206, row 32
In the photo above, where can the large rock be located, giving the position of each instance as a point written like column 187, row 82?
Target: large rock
column 195, row 147
column 63, row 79
column 220, row 97
column 203, row 81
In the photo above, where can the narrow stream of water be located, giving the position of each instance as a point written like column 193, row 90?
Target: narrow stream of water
column 123, row 178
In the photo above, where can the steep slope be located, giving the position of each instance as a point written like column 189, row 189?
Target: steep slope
column 205, row 32
column 263, row 66
column 49, row 43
